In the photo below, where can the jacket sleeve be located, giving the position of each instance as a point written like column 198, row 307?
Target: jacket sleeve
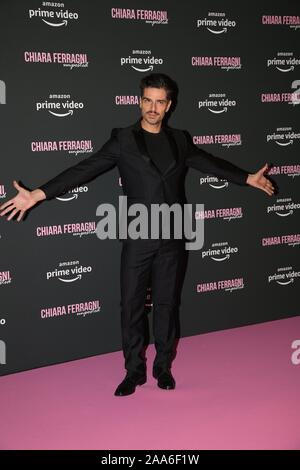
column 207, row 163
column 99, row 162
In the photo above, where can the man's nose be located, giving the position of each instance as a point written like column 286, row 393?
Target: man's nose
column 153, row 106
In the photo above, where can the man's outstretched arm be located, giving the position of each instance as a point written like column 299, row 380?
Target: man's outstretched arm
column 209, row 164
column 99, row 162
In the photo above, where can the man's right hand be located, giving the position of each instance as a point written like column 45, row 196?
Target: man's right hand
column 23, row 201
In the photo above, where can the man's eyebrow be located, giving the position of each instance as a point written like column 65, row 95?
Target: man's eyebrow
column 146, row 98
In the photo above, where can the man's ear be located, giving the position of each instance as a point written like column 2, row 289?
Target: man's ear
column 169, row 105
column 140, row 102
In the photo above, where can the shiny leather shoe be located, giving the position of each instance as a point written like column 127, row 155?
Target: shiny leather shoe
column 166, row 380
column 128, row 385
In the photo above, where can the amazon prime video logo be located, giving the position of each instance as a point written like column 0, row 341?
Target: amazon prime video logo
column 141, row 60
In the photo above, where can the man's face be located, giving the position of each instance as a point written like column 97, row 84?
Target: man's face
column 154, row 104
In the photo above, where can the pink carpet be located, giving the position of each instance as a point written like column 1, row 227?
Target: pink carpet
column 236, row 389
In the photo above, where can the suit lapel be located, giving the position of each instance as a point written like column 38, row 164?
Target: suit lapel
column 141, row 144
column 174, row 149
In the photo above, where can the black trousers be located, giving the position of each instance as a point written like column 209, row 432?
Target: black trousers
column 161, row 265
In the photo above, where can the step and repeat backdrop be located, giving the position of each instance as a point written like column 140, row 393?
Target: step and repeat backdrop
column 69, row 73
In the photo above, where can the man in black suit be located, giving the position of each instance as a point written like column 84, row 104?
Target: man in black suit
column 152, row 159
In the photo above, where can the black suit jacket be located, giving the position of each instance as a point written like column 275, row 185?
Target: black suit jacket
column 142, row 181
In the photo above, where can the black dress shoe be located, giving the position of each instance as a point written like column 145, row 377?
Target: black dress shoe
column 166, row 380
column 127, row 387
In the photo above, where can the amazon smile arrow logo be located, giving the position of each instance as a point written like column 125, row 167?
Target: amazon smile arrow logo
column 285, row 283
column 71, row 280
column 63, row 23
column 66, row 199
column 218, row 111
column 221, row 259
column 285, row 214
column 142, row 70
column 218, row 187
column 285, row 70
column 284, row 143
column 69, row 113
column 224, row 30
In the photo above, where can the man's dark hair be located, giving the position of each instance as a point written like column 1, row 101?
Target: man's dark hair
column 160, row 80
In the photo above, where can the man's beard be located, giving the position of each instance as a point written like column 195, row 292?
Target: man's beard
column 154, row 120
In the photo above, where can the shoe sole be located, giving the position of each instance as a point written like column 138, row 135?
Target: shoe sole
column 166, row 388
column 142, row 382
